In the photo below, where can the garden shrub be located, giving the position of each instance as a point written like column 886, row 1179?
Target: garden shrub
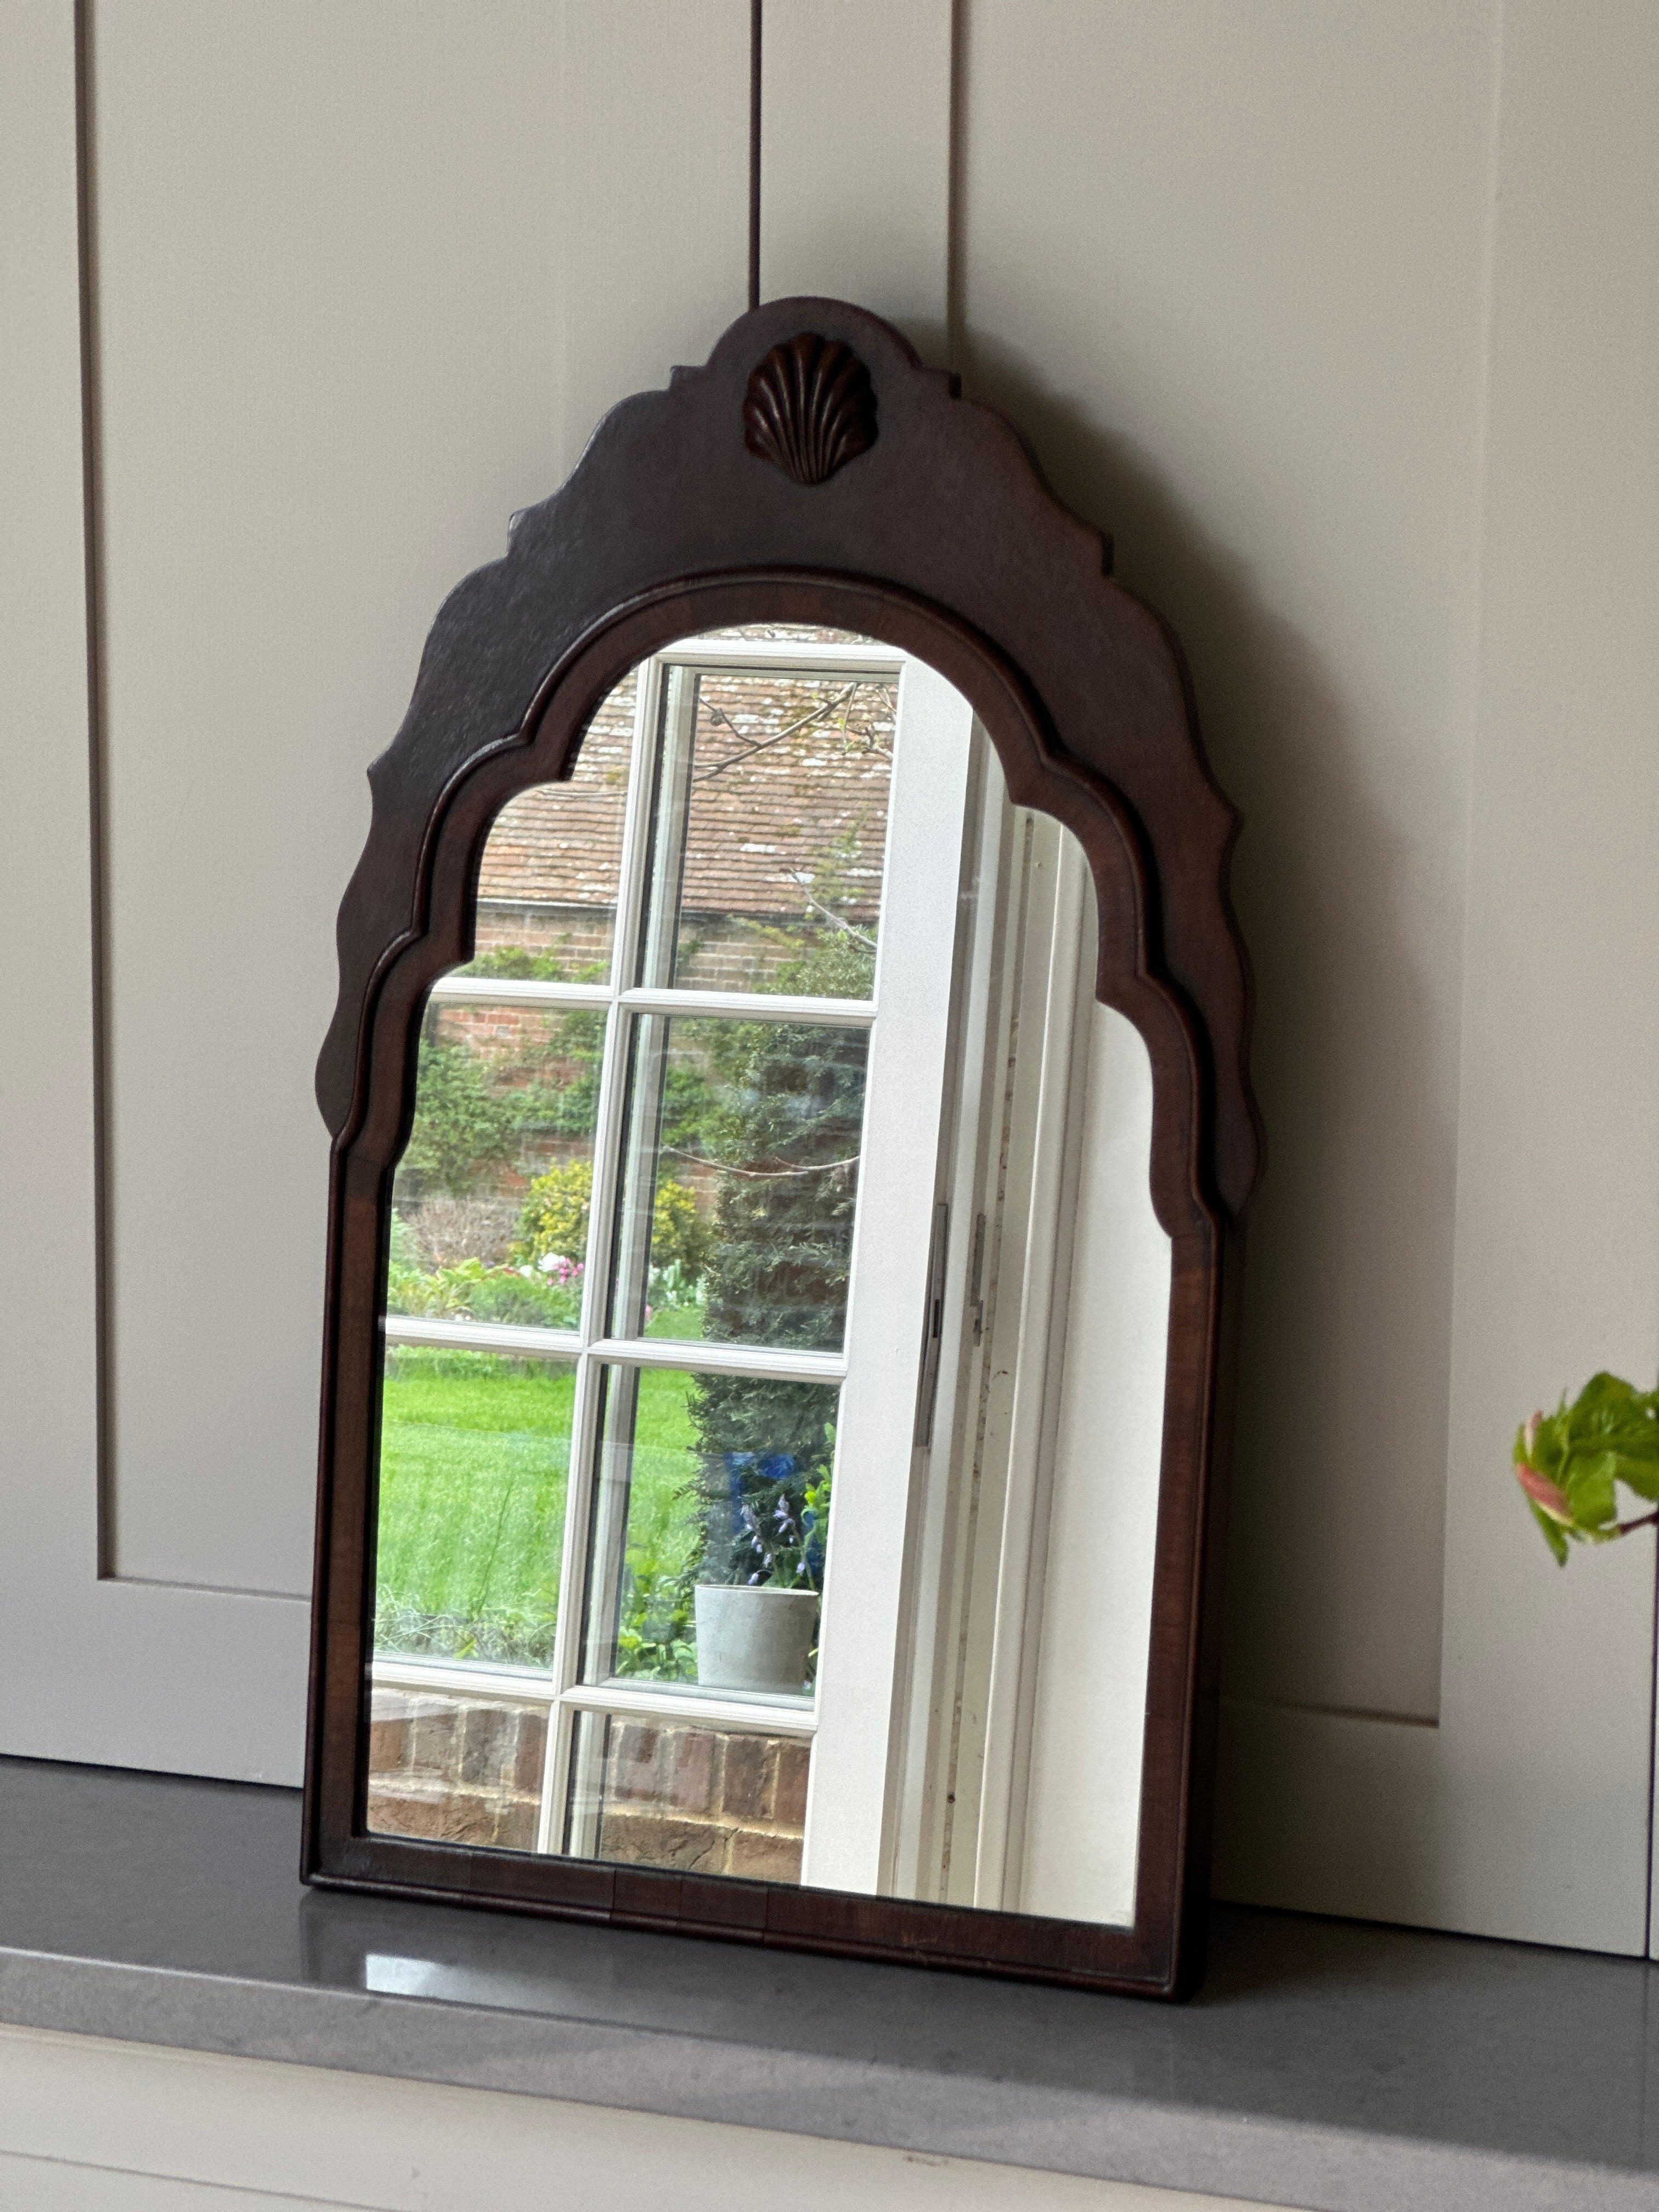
column 555, row 1211
column 497, row 1294
column 791, row 1098
column 465, row 1130
column 655, row 1636
column 556, row 1215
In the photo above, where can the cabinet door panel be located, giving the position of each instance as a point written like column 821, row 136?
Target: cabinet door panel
column 354, row 297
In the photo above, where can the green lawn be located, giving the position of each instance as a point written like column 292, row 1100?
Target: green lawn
column 676, row 1321
column 474, row 1464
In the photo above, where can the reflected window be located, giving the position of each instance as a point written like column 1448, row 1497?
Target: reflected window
column 741, row 1143
column 768, row 832
column 638, row 1130
column 720, row 1528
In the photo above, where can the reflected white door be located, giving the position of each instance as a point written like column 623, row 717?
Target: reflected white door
column 889, row 1315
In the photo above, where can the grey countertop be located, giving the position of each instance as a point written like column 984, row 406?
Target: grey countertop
column 1325, row 2064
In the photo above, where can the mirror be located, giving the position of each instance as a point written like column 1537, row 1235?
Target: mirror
column 791, row 1129
column 770, row 1255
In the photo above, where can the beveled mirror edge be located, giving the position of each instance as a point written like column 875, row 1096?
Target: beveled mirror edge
column 1157, row 837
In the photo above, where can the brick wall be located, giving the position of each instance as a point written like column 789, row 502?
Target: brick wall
column 776, row 794
column 703, row 1801
column 456, row 1770
column 700, row 1799
column 731, row 953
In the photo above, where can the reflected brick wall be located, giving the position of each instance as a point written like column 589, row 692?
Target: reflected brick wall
column 456, row 1770
column 706, row 1801
column 703, row 1801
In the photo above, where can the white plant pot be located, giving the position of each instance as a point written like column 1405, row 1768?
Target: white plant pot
column 750, row 1638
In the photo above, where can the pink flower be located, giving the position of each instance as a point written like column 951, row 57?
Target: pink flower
column 564, row 1270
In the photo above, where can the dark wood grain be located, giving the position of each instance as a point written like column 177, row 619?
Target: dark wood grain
column 938, row 537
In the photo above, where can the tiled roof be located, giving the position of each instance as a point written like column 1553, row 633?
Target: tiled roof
column 561, row 843
column 772, row 814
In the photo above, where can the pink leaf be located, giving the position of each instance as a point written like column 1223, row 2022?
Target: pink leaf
column 1543, row 1493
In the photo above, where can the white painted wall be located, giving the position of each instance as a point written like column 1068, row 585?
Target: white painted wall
column 855, row 158
column 1342, row 318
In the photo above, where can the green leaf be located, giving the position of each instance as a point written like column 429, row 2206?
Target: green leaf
column 1604, row 1390
column 1588, row 1487
column 1549, row 1448
column 1608, row 1434
column 1640, row 1474
column 1553, row 1535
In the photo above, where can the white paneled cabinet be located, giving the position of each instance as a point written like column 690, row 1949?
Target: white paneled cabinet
column 359, row 281
column 329, row 324
column 1524, row 1812
column 347, row 263
column 1344, row 323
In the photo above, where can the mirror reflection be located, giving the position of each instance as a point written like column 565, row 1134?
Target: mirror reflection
column 775, row 1316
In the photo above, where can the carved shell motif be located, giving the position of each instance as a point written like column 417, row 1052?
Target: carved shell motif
column 810, row 407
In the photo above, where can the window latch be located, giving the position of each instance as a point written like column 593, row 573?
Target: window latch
column 933, row 1329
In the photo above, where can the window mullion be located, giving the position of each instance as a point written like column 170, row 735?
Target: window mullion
column 636, row 824
column 753, row 1006
column 664, row 859
column 514, row 991
column 510, row 1339
column 573, row 1568
column 787, row 657
column 696, row 1355
column 584, row 1436
column 649, row 1701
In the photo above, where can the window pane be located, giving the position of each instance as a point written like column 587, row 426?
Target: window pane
column 459, row 1770
column 699, row 1800
column 768, row 832
column 710, row 1514
column 740, row 1181
column 547, row 886
column 490, row 1201
column 475, row 1456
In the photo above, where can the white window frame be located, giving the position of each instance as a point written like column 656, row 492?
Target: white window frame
column 907, row 1017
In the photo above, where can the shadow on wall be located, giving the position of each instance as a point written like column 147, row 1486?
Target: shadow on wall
column 1334, row 1587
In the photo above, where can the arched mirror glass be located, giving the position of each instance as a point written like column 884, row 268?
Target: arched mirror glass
column 772, row 1390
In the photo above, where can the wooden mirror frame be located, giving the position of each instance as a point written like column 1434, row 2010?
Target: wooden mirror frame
column 814, row 472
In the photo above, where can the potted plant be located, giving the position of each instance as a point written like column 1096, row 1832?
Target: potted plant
column 756, row 1626
column 1571, row 1462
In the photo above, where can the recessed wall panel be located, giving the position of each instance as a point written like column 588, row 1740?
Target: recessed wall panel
column 365, row 276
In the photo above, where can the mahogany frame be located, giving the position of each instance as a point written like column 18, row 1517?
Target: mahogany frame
column 814, row 470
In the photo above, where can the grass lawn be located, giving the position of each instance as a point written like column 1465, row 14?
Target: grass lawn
column 676, row 1321
column 475, row 1459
